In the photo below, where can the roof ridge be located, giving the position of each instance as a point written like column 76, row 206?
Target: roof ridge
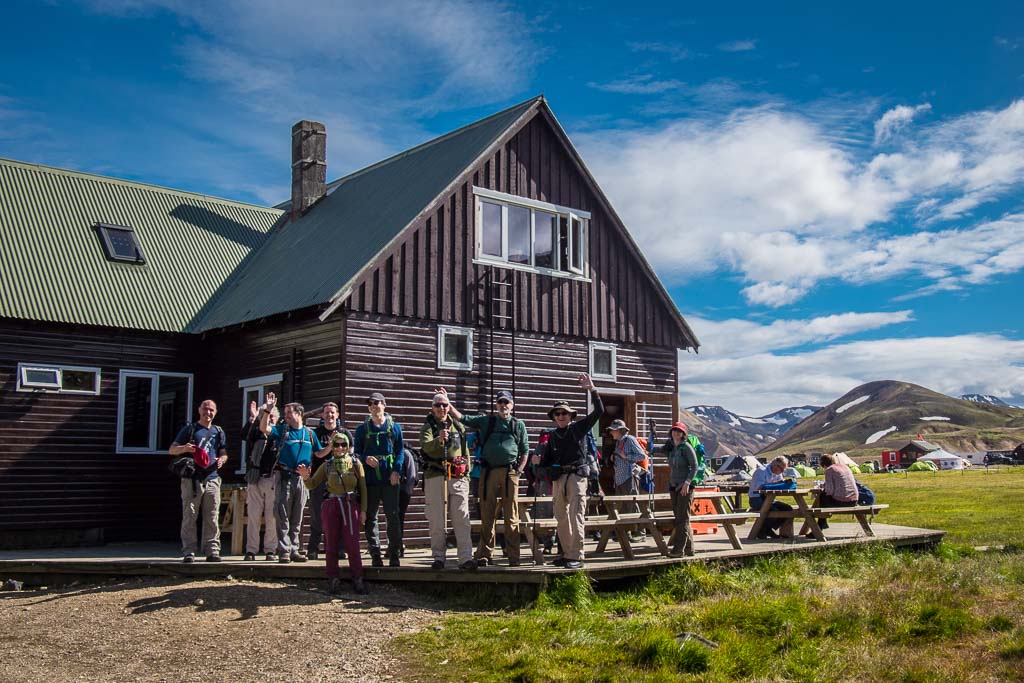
column 56, row 170
column 423, row 145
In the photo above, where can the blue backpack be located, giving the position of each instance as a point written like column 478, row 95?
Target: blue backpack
column 865, row 496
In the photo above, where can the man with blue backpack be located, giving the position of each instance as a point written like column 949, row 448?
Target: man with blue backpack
column 380, row 447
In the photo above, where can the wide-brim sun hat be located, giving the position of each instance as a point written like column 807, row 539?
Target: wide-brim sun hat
column 618, row 425
column 562, row 405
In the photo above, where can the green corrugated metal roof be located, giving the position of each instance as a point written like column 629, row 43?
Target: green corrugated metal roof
column 306, row 262
column 53, row 266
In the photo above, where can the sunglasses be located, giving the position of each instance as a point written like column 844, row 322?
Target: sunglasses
column 500, row 401
column 340, row 445
column 560, row 413
column 375, row 402
column 441, row 405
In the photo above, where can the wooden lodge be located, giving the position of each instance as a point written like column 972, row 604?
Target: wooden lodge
column 485, row 259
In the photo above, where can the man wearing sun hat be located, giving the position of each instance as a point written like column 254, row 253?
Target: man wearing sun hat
column 564, row 462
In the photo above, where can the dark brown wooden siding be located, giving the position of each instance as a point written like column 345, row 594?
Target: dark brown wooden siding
column 430, row 274
column 61, row 480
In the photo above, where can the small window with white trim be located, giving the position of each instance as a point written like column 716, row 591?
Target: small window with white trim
column 530, row 234
column 151, row 408
column 454, row 348
column 64, row 379
column 602, row 361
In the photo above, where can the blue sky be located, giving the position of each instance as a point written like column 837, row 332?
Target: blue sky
column 832, row 195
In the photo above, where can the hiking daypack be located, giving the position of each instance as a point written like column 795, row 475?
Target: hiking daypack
column 306, row 433
column 183, row 467
column 865, row 496
column 593, row 465
column 389, row 423
column 647, row 453
column 702, row 465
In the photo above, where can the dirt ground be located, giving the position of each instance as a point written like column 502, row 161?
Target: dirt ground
column 219, row 630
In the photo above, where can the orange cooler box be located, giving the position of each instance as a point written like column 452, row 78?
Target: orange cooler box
column 704, row 507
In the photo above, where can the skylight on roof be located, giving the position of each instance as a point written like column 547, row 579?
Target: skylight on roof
column 120, row 243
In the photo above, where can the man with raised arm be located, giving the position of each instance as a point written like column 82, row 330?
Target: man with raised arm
column 503, row 457
column 564, row 462
column 296, row 446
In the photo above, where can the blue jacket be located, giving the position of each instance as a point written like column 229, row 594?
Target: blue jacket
column 384, row 443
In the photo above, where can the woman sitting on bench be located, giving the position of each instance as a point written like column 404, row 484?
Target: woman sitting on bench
column 840, row 489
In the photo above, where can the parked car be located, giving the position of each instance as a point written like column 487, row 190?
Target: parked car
column 998, row 459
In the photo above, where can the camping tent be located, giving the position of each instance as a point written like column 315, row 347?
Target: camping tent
column 922, row 466
column 844, row 459
column 944, row 460
column 804, row 470
column 867, row 468
column 738, row 463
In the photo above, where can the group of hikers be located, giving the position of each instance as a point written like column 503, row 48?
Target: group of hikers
column 348, row 477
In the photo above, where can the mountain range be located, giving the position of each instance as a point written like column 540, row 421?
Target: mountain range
column 872, row 417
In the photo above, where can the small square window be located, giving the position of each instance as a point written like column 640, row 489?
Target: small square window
column 58, row 378
column 454, row 348
column 79, row 380
column 121, row 243
column 602, row 361
column 39, row 377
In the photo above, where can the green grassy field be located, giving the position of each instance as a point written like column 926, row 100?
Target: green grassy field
column 850, row 614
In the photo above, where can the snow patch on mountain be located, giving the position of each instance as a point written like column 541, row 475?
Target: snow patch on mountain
column 986, row 398
column 878, row 435
column 935, row 417
column 846, row 406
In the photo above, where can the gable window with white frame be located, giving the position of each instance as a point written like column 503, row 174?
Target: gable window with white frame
column 531, row 235
column 454, row 348
column 602, row 361
column 61, row 379
column 151, row 408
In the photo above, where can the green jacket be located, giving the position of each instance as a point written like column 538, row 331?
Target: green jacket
column 436, row 452
column 353, row 481
column 506, row 444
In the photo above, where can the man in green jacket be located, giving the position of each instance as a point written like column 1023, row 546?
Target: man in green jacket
column 446, row 482
column 503, row 457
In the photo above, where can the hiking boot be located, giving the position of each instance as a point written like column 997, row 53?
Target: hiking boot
column 401, row 553
column 437, row 564
column 334, row 586
column 482, row 562
column 394, row 562
column 283, row 559
column 676, row 552
column 298, row 557
column 558, row 562
column 213, row 557
column 574, row 565
column 270, row 557
column 249, row 557
column 189, row 558
column 375, row 561
column 468, row 566
column 360, row 586
column 513, row 563
column 312, row 555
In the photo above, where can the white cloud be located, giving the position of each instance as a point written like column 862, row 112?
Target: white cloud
column 774, row 196
column 673, row 51
column 738, row 46
column 643, row 84
column 759, row 383
column 895, row 119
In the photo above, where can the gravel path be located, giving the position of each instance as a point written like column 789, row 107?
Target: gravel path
column 166, row 630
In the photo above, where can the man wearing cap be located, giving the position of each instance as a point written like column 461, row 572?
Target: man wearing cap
column 682, row 467
column 503, row 457
column 564, row 461
column 446, row 481
column 379, row 445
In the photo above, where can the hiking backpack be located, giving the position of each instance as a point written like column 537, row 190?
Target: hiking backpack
column 702, row 465
column 865, row 496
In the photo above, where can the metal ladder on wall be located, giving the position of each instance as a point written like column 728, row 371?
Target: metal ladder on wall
column 501, row 309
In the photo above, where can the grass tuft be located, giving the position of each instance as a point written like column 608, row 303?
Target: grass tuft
column 657, row 648
column 999, row 624
column 574, row 591
column 936, row 622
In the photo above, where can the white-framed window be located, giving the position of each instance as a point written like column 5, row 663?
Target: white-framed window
column 255, row 389
column 530, row 234
column 602, row 360
column 151, row 408
column 454, row 348
column 63, row 379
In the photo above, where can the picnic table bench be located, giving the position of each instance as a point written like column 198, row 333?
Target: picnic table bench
column 810, row 513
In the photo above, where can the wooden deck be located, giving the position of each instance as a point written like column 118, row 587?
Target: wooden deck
column 162, row 560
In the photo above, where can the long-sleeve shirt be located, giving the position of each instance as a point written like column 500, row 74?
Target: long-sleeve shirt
column 436, row 451
column 682, row 462
column 383, row 442
column 628, row 452
column 338, row 484
column 762, row 475
column 506, row 444
column 840, row 483
column 566, row 448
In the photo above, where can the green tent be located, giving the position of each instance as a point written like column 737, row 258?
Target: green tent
column 922, row 466
column 804, row 470
column 867, row 468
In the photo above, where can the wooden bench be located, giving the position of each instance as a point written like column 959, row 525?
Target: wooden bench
column 862, row 513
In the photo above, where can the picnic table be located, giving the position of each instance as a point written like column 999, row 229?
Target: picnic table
column 810, row 513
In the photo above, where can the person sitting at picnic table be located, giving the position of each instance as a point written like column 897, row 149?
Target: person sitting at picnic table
column 682, row 466
column 840, row 488
column 342, row 510
column 769, row 474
